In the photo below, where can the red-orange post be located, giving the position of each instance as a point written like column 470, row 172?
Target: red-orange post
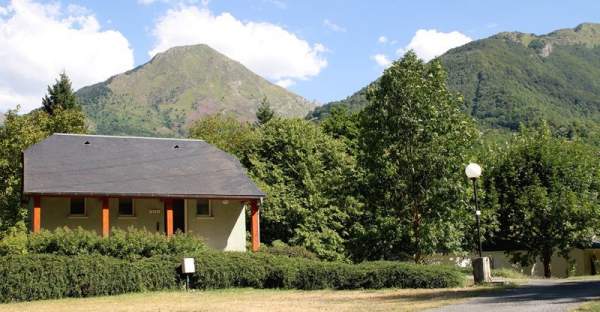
column 255, row 225
column 105, row 217
column 37, row 215
column 169, row 216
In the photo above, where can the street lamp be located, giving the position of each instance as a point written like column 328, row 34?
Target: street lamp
column 473, row 171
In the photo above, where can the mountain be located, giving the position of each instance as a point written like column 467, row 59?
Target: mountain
column 514, row 77
column 164, row 96
column 1, row 118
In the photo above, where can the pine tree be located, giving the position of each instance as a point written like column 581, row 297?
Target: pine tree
column 60, row 95
column 264, row 112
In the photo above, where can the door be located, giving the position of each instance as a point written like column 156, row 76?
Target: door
column 179, row 215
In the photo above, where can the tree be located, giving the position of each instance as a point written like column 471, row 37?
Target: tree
column 16, row 134
column 264, row 112
column 225, row 132
column 413, row 138
column 342, row 124
column 546, row 196
column 308, row 178
column 60, row 95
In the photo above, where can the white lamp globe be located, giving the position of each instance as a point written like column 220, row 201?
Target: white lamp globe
column 473, row 171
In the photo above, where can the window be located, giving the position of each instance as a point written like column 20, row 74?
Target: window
column 77, row 207
column 203, row 208
column 126, row 207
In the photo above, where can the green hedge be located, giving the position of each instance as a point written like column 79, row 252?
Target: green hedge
column 130, row 244
column 225, row 270
column 34, row 277
column 45, row 276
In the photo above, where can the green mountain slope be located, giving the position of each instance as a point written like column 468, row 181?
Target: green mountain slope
column 516, row 77
column 164, row 96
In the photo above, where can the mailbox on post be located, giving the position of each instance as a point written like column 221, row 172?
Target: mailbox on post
column 188, row 266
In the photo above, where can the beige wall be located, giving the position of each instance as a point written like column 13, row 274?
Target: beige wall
column 145, row 216
column 224, row 230
column 55, row 214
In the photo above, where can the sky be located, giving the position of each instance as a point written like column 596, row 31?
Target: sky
column 321, row 50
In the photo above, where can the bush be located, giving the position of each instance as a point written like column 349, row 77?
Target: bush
column 280, row 248
column 46, row 276
column 34, row 277
column 224, row 270
column 130, row 244
column 508, row 273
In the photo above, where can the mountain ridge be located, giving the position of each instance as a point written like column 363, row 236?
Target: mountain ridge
column 512, row 78
column 164, row 96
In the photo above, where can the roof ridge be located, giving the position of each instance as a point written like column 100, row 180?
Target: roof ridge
column 126, row 137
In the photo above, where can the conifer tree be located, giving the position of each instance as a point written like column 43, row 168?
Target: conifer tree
column 60, row 95
column 264, row 112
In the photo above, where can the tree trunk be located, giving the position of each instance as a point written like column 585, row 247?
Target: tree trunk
column 416, row 230
column 546, row 257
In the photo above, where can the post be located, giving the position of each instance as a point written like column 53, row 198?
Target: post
column 255, row 225
column 105, row 217
column 169, row 216
column 36, row 223
column 477, row 216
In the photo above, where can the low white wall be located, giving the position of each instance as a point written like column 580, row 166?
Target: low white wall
column 559, row 266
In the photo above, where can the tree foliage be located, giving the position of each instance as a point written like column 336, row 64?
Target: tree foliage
column 16, row 134
column 413, row 138
column 264, row 112
column 60, row 95
column 546, row 193
column 225, row 132
column 308, row 178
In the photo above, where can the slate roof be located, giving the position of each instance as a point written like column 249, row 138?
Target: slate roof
column 70, row 164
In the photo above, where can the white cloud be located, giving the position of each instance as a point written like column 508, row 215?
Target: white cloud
column 381, row 60
column 285, row 83
column 430, row 43
column 382, row 39
column 333, row 26
column 267, row 49
column 38, row 41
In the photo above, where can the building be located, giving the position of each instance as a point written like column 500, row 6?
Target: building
column 161, row 185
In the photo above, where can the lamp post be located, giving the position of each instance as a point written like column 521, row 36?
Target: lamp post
column 473, row 172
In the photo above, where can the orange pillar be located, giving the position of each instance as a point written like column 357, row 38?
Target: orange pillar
column 37, row 215
column 255, row 226
column 105, row 217
column 169, row 216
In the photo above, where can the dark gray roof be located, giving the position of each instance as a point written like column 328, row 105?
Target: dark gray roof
column 69, row 164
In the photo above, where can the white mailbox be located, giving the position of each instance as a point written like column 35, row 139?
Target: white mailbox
column 188, row 266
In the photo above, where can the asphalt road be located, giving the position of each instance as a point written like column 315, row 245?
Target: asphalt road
column 536, row 296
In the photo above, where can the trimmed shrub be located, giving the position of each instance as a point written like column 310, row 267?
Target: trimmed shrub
column 224, row 270
column 280, row 248
column 34, row 277
column 46, row 276
column 130, row 244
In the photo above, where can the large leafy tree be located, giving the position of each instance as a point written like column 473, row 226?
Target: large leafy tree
column 225, row 132
column 546, row 193
column 16, row 134
column 60, row 95
column 413, row 138
column 308, row 178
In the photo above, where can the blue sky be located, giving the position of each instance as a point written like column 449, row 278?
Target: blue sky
column 335, row 42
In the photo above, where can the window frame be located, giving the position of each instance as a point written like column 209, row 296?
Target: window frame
column 210, row 210
column 133, row 210
column 77, row 215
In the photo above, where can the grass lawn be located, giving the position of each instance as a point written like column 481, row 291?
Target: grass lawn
column 248, row 300
column 592, row 306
